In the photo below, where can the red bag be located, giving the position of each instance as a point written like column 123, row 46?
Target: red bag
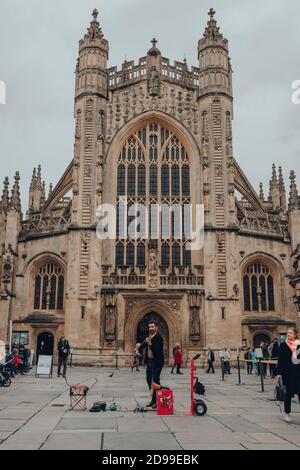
column 165, row 402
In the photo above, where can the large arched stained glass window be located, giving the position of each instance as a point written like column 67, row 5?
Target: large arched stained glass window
column 49, row 287
column 153, row 169
column 258, row 286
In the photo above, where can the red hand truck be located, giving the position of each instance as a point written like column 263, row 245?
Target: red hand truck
column 198, row 407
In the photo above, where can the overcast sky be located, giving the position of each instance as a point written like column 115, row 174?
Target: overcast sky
column 39, row 47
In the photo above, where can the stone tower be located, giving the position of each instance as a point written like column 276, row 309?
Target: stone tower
column 91, row 95
column 216, row 114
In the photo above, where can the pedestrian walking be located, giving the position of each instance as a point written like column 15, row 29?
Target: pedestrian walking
column 63, row 348
column 254, row 361
column 174, row 363
column 154, row 360
column 210, row 361
column 273, row 354
column 288, row 368
column 248, row 357
column 136, row 358
column 227, row 361
column 178, row 360
column 265, row 351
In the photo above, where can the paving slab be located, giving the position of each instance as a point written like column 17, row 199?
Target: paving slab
column 73, row 441
column 258, row 446
column 11, row 424
column 16, row 414
column 134, row 423
column 140, row 440
column 83, row 422
column 267, row 438
column 238, row 423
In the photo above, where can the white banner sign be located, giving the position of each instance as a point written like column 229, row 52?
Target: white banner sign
column 44, row 365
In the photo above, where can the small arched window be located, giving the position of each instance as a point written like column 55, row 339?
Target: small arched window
column 49, row 287
column 258, row 287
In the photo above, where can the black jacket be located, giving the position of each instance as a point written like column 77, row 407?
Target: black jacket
column 290, row 372
column 212, row 357
column 275, row 350
column 61, row 346
column 157, row 349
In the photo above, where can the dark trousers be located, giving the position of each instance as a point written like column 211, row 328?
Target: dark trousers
column 153, row 375
column 273, row 370
column 227, row 367
column 62, row 361
column 249, row 367
column 178, row 366
column 288, row 400
column 210, row 367
column 135, row 363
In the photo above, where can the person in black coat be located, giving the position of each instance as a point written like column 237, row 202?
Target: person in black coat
column 210, row 361
column 288, row 368
column 63, row 348
column 154, row 359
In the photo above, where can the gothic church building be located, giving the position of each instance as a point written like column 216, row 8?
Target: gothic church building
column 154, row 133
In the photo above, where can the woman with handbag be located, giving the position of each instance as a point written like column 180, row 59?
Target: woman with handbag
column 288, row 369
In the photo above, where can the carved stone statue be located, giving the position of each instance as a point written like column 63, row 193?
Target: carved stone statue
column 154, row 82
column 152, row 263
column 205, row 146
column 110, row 323
column 195, row 324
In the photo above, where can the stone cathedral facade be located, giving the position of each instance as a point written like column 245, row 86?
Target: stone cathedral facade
column 153, row 133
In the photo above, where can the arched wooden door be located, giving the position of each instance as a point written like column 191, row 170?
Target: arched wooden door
column 143, row 331
column 258, row 338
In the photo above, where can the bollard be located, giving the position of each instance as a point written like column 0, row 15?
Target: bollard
column 71, row 360
column 116, row 361
column 260, row 367
column 239, row 370
column 222, row 368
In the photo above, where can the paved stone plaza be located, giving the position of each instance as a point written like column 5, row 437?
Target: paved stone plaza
column 34, row 414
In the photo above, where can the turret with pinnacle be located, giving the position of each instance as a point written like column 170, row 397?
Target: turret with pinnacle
column 214, row 61
column 91, row 74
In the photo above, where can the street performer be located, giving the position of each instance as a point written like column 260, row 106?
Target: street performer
column 154, row 360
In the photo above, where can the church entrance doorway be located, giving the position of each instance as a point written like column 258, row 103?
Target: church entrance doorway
column 258, row 338
column 143, row 331
column 45, row 343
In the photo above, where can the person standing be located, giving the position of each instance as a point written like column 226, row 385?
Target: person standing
column 174, row 363
column 227, row 361
column 254, row 359
column 154, row 360
column 136, row 358
column 63, row 348
column 210, row 361
column 288, row 368
column 178, row 360
column 273, row 354
column 265, row 351
column 248, row 357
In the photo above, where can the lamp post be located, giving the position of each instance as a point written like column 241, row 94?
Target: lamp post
column 296, row 300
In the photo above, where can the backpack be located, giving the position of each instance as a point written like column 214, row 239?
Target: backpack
column 98, row 406
column 280, row 391
column 199, row 387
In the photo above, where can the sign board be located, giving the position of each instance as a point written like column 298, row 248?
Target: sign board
column 44, row 366
column 258, row 353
